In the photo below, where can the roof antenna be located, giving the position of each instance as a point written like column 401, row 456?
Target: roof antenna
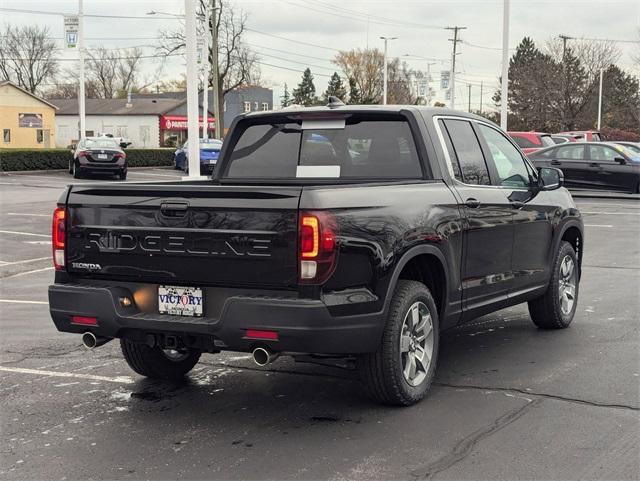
column 334, row 102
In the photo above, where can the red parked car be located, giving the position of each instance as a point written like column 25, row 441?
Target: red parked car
column 532, row 141
column 585, row 135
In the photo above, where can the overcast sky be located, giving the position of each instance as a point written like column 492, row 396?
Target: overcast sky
column 313, row 31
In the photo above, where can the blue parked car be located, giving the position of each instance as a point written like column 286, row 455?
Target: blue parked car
column 209, row 152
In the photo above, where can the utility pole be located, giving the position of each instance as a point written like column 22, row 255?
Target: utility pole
column 384, row 87
column 452, row 79
column 192, row 89
column 504, row 92
column 565, row 86
column 216, row 75
column 81, row 93
column 205, row 96
column 600, row 99
column 564, row 44
column 481, row 85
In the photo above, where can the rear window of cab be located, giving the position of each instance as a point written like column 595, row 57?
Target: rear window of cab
column 351, row 147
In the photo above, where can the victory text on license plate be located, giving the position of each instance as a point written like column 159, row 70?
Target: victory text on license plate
column 180, row 301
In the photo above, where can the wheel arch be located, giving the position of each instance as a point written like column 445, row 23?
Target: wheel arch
column 426, row 264
column 572, row 232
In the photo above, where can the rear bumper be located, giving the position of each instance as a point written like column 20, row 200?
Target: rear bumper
column 303, row 325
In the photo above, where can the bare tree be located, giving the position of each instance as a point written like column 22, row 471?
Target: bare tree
column 237, row 63
column 113, row 72
column 364, row 68
column 27, row 56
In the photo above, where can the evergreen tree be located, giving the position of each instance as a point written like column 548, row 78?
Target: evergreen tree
column 335, row 88
column 285, row 100
column 305, row 93
column 354, row 93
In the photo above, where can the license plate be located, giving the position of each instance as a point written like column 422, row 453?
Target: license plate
column 180, row 301
column 102, row 156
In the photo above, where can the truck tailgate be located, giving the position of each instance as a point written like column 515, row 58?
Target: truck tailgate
column 184, row 233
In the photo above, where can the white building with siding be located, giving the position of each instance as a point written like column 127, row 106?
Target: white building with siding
column 137, row 121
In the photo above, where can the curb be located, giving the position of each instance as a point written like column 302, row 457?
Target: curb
column 27, row 172
column 604, row 195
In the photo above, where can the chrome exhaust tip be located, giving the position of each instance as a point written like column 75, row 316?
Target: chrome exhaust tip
column 90, row 341
column 263, row 356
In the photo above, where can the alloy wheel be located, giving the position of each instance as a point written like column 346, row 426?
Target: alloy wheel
column 567, row 285
column 416, row 343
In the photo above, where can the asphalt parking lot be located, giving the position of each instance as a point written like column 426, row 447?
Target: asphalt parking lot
column 510, row 401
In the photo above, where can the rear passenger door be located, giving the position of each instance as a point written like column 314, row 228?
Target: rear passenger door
column 572, row 160
column 488, row 230
column 606, row 172
column 532, row 212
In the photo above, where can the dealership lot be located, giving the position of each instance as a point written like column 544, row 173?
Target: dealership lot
column 510, row 401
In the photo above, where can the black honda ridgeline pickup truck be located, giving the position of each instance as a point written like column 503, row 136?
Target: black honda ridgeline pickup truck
column 330, row 234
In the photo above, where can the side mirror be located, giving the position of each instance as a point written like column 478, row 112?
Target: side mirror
column 620, row 160
column 550, row 178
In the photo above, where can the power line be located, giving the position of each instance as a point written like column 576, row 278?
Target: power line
column 291, row 40
column 126, row 17
column 334, row 11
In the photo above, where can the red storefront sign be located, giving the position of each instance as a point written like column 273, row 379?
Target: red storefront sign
column 179, row 122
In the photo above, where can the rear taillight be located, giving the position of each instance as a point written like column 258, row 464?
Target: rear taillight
column 82, row 153
column 119, row 156
column 58, row 237
column 318, row 247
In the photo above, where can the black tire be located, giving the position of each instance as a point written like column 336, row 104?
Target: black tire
column 154, row 363
column 382, row 371
column 71, row 167
column 546, row 311
column 122, row 175
column 75, row 171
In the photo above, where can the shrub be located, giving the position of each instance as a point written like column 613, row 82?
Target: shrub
column 620, row 135
column 50, row 159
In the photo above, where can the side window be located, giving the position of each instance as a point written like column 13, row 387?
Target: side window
column 511, row 167
column 452, row 155
column 600, row 153
column 570, row 152
column 545, row 154
column 467, row 152
column 523, row 142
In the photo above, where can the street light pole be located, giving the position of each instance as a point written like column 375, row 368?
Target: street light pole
column 600, row 99
column 81, row 92
column 192, row 89
column 205, row 93
column 504, row 93
column 384, row 86
column 216, row 75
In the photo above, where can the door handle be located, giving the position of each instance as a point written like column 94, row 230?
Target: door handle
column 472, row 203
column 555, row 162
column 174, row 209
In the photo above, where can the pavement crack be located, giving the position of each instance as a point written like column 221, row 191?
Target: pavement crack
column 556, row 397
column 465, row 446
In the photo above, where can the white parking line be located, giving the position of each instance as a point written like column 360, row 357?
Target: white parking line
column 26, row 261
column 597, row 225
column 610, row 213
column 90, row 377
column 28, row 215
column 154, row 175
column 15, row 301
column 13, row 232
column 30, row 272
